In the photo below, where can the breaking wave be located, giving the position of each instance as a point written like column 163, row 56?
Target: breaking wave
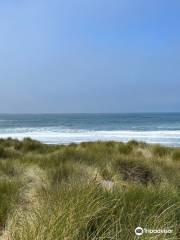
column 54, row 135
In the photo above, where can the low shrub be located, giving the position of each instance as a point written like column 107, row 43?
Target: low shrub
column 134, row 170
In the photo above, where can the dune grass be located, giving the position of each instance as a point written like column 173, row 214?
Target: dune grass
column 88, row 191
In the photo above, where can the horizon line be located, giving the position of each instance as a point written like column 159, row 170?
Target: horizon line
column 54, row 113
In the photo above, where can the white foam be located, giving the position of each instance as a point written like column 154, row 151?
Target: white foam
column 60, row 135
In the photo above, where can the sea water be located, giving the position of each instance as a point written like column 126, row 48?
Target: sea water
column 163, row 128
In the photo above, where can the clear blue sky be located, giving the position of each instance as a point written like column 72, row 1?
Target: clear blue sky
column 89, row 56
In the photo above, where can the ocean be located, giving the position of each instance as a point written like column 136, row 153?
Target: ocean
column 162, row 128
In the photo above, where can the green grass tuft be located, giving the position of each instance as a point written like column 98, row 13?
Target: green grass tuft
column 176, row 155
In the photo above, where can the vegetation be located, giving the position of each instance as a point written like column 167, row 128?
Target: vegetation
column 88, row 191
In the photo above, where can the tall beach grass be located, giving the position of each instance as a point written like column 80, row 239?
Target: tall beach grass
column 88, row 191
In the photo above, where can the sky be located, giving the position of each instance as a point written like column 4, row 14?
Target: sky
column 69, row 56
